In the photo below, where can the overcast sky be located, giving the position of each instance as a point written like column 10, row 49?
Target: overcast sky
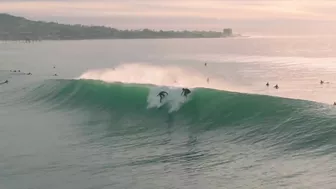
column 246, row 16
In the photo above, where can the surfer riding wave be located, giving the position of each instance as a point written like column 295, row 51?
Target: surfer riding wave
column 162, row 94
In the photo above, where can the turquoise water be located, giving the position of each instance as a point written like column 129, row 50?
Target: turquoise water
column 99, row 123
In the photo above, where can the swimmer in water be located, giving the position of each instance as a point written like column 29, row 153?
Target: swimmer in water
column 267, row 84
column 321, row 82
column 185, row 92
column 205, row 64
column 276, row 86
column 162, row 94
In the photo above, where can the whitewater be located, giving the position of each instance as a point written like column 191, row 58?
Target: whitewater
column 100, row 124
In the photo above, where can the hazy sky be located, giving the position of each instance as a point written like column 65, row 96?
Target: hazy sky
column 254, row 16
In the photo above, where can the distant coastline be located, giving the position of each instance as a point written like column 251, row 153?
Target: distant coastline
column 15, row 28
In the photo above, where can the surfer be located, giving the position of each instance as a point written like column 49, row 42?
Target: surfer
column 5, row 82
column 55, row 74
column 185, row 92
column 276, row 86
column 267, row 84
column 321, row 82
column 205, row 64
column 162, row 94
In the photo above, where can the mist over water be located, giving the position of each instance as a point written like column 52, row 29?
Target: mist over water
column 100, row 124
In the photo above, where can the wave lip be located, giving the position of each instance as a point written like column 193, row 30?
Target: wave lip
column 249, row 118
column 140, row 97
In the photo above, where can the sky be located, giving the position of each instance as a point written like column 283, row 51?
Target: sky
column 244, row 16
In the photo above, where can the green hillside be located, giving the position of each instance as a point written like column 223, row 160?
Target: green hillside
column 19, row 28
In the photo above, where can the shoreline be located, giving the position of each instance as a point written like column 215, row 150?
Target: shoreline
column 88, row 39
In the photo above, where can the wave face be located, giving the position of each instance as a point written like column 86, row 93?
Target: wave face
column 253, row 118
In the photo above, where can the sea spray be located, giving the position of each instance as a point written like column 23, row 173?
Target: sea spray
column 170, row 76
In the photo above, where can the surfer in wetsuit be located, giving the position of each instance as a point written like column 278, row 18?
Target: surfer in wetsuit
column 276, row 86
column 267, row 84
column 321, row 82
column 162, row 94
column 205, row 64
column 5, row 82
column 185, row 92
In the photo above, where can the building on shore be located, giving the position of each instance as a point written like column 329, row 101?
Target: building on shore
column 227, row 32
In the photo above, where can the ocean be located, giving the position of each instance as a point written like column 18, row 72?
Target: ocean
column 99, row 124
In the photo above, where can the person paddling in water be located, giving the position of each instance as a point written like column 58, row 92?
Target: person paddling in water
column 162, row 94
column 5, row 82
column 276, row 86
column 185, row 92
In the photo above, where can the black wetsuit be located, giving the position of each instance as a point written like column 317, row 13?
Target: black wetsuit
column 5, row 82
column 185, row 92
column 162, row 94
